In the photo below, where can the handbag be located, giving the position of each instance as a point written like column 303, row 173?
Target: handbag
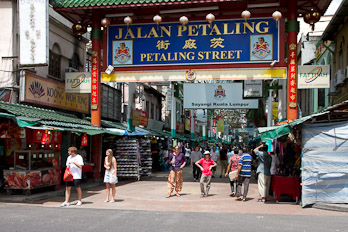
column 232, row 175
column 68, row 176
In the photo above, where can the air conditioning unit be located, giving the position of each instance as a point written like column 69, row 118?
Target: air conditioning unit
column 333, row 89
column 340, row 77
column 346, row 71
column 70, row 69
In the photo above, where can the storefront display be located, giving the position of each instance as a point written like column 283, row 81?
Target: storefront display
column 127, row 157
column 146, row 156
column 32, row 169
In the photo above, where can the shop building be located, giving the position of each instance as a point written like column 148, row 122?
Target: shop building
column 336, row 32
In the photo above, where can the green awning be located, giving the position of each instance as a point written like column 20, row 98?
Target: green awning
column 269, row 133
column 273, row 132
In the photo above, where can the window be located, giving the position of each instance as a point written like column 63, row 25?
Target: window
column 74, row 62
column 152, row 111
column 54, row 67
column 340, row 55
column 321, row 97
column 147, row 107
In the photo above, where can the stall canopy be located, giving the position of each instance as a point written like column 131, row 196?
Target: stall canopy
column 325, row 163
column 44, row 119
column 273, row 132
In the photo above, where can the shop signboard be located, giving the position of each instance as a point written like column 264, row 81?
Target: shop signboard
column 222, row 42
column 313, row 76
column 143, row 118
column 252, row 89
column 95, row 82
column 78, row 82
column 220, row 125
column 169, row 99
column 135, row 117
column 33, row 32
column 43, row 91
column 180, row 127
column 275, row 110
column 292, row 76
column 216, row 96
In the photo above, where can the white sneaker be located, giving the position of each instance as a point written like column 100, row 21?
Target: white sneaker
column 79, row 203
column 64, row 204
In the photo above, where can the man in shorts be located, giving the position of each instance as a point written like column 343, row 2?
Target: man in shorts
column 75, row 163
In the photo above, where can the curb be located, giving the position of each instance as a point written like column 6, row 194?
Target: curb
column 332, row 207
column 44, row 195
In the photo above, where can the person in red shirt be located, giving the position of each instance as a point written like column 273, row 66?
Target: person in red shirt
column 205, row 164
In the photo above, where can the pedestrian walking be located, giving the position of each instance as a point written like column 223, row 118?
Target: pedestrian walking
column 232, row 171
column 264, row 171
column 75, row 163
column 195, row 156
column 110, row 177
column 243, row 174
column 223, row 160
column 175, row 179
column 214, row 154
column 205, row 164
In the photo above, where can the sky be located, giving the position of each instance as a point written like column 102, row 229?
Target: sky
column 333, row 7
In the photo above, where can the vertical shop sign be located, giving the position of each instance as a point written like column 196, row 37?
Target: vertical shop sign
column 293, row 74
column 95, row 93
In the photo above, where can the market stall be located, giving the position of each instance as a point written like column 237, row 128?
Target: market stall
column 32, row 169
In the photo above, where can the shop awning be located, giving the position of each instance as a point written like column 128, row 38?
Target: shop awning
column 273, row 132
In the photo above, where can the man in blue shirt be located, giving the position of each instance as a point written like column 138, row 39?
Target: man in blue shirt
column 243, row 174
column 264, row 171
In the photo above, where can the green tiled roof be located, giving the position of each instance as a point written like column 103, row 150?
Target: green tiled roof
column 43, row 115
column 101, row 3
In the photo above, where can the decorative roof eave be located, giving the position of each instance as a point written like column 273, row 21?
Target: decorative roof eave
column 138, row 5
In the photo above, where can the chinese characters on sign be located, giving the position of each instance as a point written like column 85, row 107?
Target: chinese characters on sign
column 94, row 96
column 292, row 75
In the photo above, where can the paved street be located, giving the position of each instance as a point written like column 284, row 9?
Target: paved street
column 142, row 206
column 35, row 218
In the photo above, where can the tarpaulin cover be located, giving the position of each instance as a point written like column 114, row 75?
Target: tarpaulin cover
column 325, row 163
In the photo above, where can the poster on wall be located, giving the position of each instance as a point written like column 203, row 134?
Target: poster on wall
column 216, row 96
column 196, row 43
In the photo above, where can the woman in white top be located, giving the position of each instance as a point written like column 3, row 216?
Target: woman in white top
column 110, row 178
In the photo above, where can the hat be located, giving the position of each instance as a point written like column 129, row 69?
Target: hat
column 206, row 153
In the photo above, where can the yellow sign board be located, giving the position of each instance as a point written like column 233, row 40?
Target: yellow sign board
column 43, row 91
column 275, row 110
column 202, row 74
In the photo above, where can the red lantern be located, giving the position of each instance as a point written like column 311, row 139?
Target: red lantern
column 84, row 140
column 79, row 29
column 311, row 18
column 45, row 139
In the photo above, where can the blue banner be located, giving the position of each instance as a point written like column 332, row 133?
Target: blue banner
column 222, row 42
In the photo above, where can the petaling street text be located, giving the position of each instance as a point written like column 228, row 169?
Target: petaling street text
column 202, row 55
column 237, row 28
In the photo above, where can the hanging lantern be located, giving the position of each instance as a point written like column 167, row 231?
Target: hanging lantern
column 246, row 14
column 79, row 29
column 45, row 139
column 311, row 18
column 276, row 15
column 183, row 20
column 128, row 20
column 157, row 19
column 105, row 22
column 210, row 18
column 84, row 140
